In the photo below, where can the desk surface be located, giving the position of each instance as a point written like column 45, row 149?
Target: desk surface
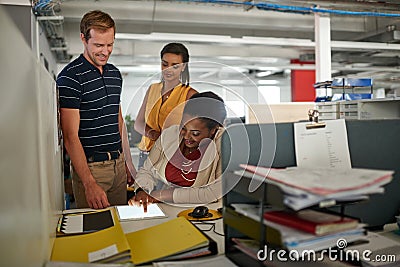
column 172, row 212
column 390, row 231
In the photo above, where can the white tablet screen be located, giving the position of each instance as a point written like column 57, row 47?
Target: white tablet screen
column 136, row 212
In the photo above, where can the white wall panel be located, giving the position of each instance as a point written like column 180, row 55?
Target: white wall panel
column 31, row 189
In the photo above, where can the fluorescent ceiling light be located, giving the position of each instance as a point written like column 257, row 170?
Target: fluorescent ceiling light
column 357, row 46
column 229, row 57
column 268, row 82
column 269, row 88
column 231, row 82
column 269, row 68
column 250, row 40
column 278, row 41
column 203, row 38
column 140, row 68
column 223, row 39
column 263, row 73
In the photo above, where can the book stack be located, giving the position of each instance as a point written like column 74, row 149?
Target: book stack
column 307, row 227
column 312, row 221
column 325, row 229
column 107, row 243
column 307, row 230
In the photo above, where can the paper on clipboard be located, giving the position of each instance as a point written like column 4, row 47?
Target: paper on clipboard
column 126, row 213
column 323, row 146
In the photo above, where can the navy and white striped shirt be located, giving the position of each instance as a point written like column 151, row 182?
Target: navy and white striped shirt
column 97, row 96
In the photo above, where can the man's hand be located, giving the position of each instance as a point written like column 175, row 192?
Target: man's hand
column 96, row 197
column 129, row 177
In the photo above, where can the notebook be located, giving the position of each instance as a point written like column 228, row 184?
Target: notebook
column 84, row 222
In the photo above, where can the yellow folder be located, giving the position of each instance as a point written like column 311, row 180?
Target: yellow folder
column 108, row 245
column 166, row 239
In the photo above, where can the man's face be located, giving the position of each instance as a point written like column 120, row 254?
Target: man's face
column 99, row 46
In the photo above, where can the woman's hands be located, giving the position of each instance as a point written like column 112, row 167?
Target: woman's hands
column 142, row 198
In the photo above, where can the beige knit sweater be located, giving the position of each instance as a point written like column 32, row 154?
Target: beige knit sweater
column 207, row 186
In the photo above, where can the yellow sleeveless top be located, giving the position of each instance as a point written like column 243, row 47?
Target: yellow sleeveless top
column 160, row 115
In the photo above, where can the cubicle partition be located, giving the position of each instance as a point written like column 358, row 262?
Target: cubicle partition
column 372, row 143
column 31, row 184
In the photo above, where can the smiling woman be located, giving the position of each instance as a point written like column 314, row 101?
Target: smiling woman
column 163, row 97
column 184, row 164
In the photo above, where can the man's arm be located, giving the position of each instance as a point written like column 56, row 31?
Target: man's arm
column 95, row 195
column 130, row 168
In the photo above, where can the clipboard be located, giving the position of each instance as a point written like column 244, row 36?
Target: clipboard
column 321, row 144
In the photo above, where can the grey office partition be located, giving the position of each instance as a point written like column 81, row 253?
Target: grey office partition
column 372, row 144
column 31, row 182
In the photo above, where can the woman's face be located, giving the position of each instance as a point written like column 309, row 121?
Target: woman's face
column 171, row 66
column 194, row 131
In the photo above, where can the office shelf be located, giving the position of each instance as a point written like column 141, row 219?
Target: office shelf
column 371, row 109
column 352, row 88
column 328, row 110
column 238, row 225
column 365, row 109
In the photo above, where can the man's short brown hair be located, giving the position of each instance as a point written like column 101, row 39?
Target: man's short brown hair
column 98, row 20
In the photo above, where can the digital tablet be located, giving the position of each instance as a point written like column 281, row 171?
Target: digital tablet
column 126, row 212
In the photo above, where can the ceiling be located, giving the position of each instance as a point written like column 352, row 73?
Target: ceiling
column 250, row 37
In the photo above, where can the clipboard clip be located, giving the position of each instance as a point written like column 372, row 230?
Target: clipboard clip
column 313, row 117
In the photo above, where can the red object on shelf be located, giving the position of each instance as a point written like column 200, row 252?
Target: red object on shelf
column 312, row 221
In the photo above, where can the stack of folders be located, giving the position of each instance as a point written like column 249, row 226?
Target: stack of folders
column 305, row 187
column 308, row 229
column 172, row 240
column 92, row 244
column 175, row 239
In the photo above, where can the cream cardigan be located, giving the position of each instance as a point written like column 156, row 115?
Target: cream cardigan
column 207, row 186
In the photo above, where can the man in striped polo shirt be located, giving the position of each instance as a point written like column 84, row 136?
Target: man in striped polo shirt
column 91, row 118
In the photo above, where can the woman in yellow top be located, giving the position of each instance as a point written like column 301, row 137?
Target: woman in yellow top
column 162, row 105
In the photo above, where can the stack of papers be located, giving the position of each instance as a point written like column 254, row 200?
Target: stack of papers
column 300, row 241
column 304, row 187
